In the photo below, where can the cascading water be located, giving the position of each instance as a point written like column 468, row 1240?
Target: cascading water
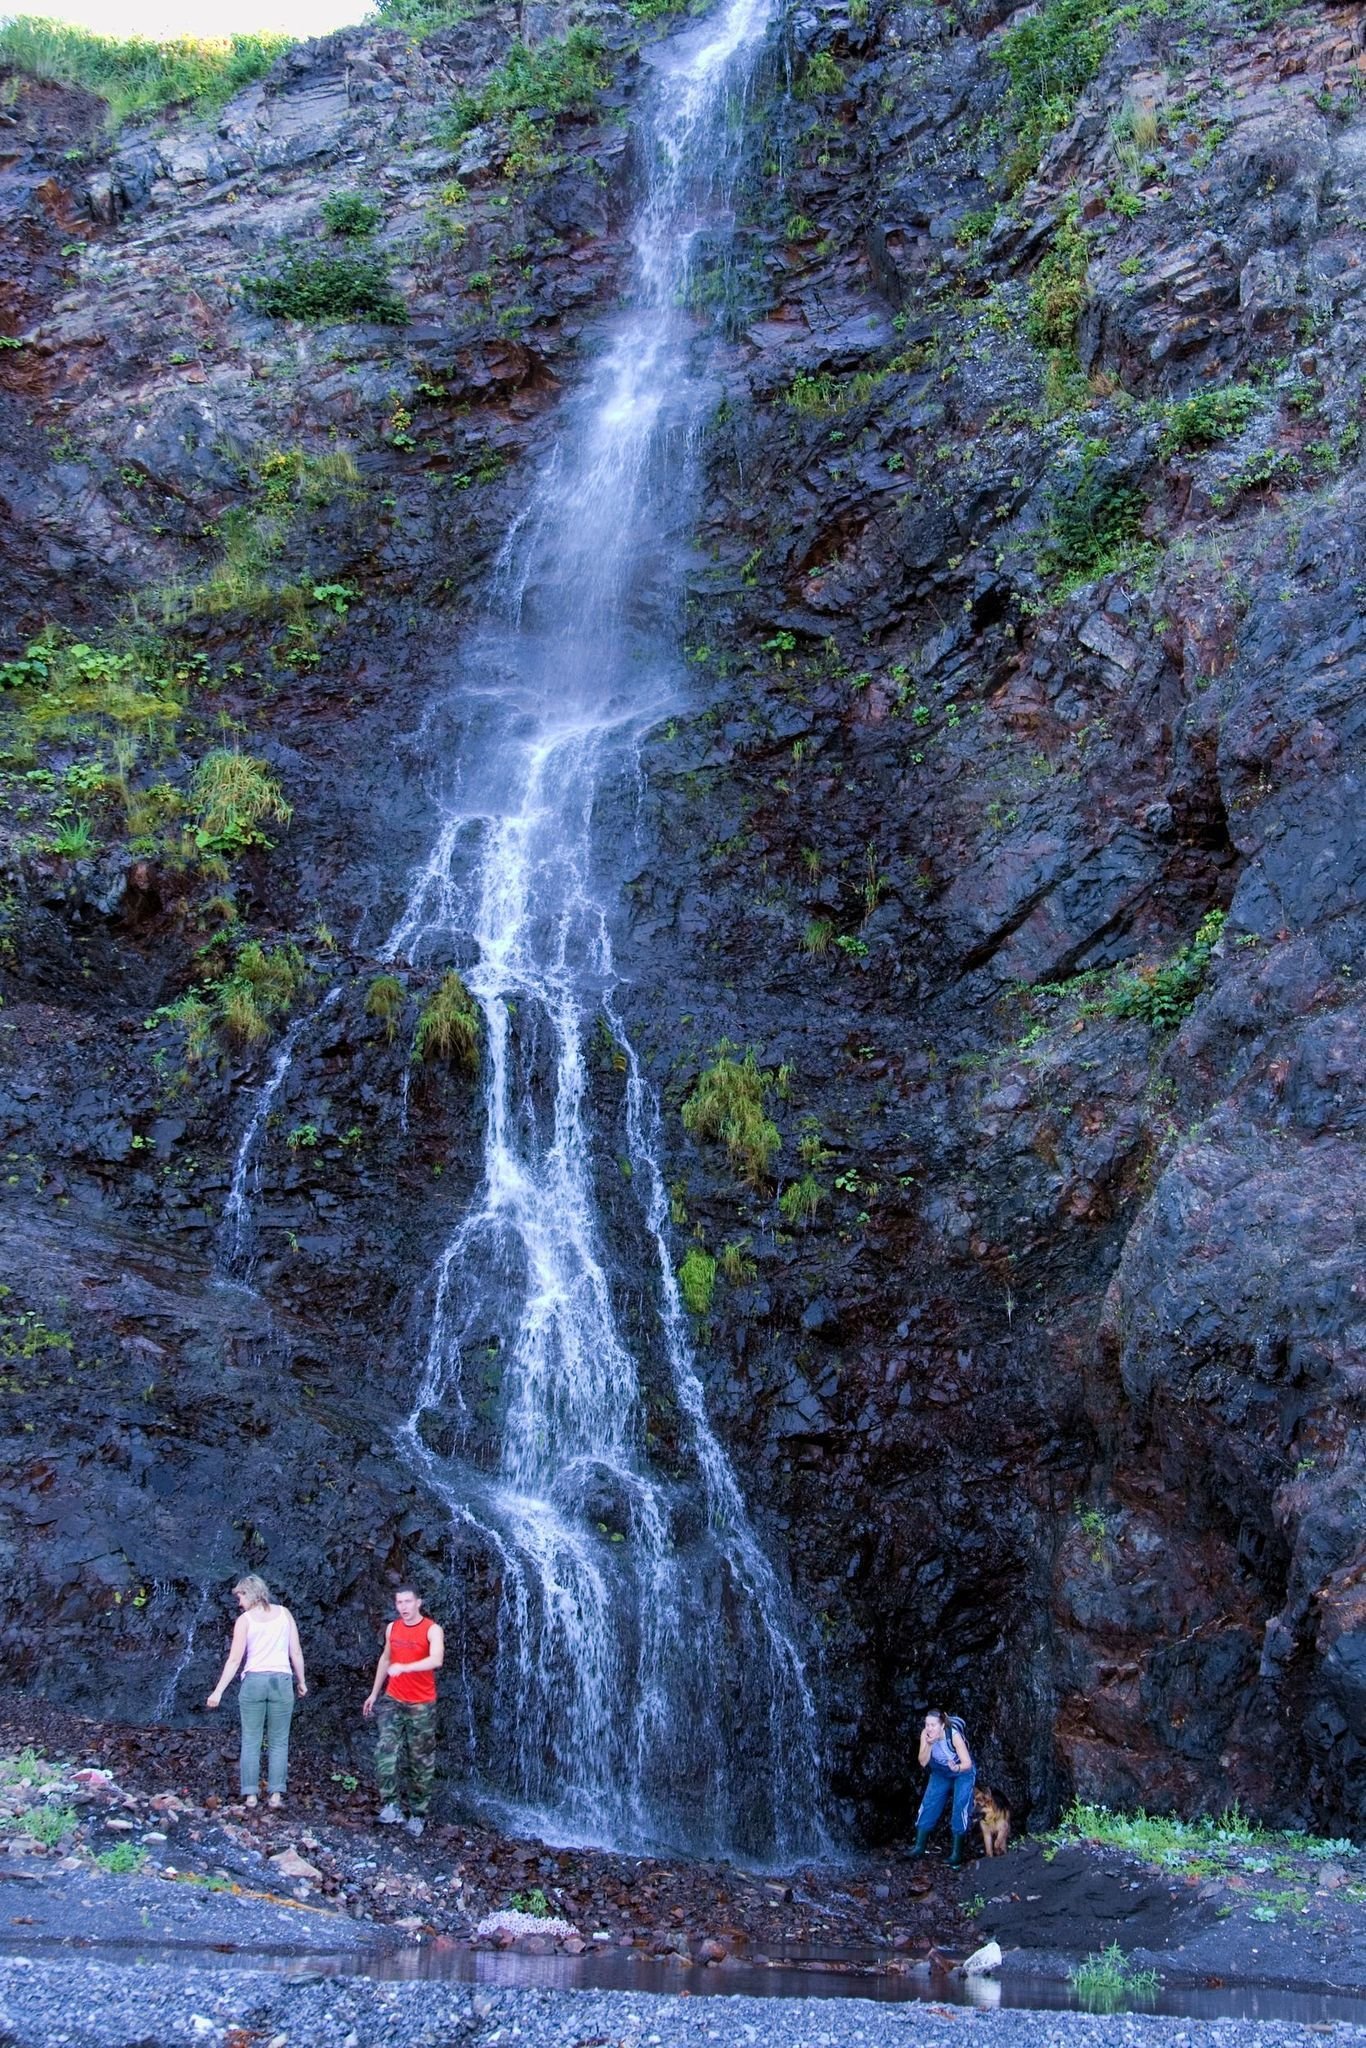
column 649, row 1685
column 235, row 1238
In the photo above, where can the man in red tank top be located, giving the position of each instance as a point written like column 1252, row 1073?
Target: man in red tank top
column 403, row 1700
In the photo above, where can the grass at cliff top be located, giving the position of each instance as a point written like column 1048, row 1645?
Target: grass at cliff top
column 134, row 74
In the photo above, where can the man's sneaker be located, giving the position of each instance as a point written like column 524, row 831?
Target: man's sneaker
column 390, row 1815
column 415, row 1824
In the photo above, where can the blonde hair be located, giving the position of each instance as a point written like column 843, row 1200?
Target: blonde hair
column 256, row 1590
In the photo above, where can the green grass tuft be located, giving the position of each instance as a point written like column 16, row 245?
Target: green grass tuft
column 384, row 1000
column 449, row 1026
column 727, row 1106
column 261, row 987
column 800, row 1199
column 697, row 1279
column 235, row 795
column 125, row 1859
column 46, row 1824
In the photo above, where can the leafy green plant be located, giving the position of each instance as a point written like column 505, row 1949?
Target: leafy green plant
column 1095, row 1529
column 1050, row 59
column 123, row 1860
column 325, row 288
column 1208, row 416
column 821, row 75
column 561, row 76
column 234, row 796
column 533, row 1902
column 351, row 214
column 1163, row 996
column 975, row 226
column 303, row 1138
column 697, row 1279
column 423, row 17
column 1108, row 1980
column 384, row 1000
column 1169, row 1842
column 1094, row 517
column 1058, row 289
column 449, row 1026
column 133, row 74
column 1271, row 466
column 727, row 1106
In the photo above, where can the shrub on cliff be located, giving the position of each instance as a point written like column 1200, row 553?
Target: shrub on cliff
column 324, row 288
column 134, row 74
column 1208, row 416
column 559, row 77
column 351, row 214
column 1163, row 996
column 1051, row 58
column 1094, row 518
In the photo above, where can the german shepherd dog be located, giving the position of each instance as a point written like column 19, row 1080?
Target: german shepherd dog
column 993, row 1818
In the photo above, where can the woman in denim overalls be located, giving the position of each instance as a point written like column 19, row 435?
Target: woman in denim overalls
column 953, row 1775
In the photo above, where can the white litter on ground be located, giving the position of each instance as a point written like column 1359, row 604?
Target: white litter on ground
column 508, row 1922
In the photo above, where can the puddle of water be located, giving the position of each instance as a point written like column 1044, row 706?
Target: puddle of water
column 804, row 1976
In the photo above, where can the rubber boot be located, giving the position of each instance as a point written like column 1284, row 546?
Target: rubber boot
column 958, row 1857
column 922, row 1836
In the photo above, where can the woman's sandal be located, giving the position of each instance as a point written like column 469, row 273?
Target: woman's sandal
column 250, row 1799
column 276, row 1799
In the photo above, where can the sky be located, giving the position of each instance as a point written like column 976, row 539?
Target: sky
column 298, row 18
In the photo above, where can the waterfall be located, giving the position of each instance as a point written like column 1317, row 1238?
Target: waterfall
column 650, row 1687
column 235, row 1243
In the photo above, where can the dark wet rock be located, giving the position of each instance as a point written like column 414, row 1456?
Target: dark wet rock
column 1052, row 1404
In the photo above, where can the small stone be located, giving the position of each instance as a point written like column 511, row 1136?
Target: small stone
column 154, row 1835
column 121, row 1826
column 289, row 1863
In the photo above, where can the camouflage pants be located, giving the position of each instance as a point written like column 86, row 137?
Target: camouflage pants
column 411, row 1729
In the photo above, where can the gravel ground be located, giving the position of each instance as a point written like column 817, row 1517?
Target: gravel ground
column 76, row 2004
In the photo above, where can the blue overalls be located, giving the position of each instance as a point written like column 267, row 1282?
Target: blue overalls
column 947, row 1779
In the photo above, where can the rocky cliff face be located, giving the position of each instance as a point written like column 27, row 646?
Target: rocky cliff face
column 1016, row 829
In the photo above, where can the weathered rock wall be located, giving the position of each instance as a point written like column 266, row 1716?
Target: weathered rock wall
column 1007, row 674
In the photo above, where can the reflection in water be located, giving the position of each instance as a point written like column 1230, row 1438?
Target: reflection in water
column 790, row 1972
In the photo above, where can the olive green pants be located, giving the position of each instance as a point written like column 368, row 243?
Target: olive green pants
column 265, row 1701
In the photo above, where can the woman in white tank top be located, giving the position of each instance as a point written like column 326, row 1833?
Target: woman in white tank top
column 265, row 1643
